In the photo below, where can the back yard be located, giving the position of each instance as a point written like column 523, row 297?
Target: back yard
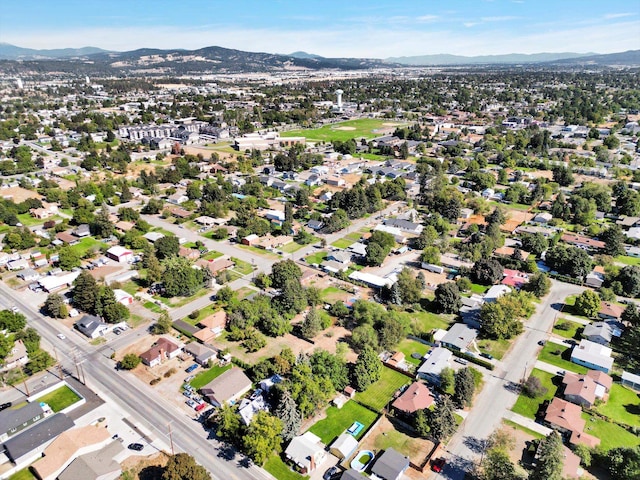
column 378, row 395
column 340, row 419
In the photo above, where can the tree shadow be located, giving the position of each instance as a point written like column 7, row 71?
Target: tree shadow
column 557, row 306
column 632, row 409
column 226, row 452
column 456, row 467
column 152, row 472
column 476, row 445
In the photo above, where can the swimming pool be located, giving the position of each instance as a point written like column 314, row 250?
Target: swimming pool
column 361, row 460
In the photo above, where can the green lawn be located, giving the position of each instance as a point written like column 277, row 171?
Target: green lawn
column 260, row 251
column 623, row 406
column 211, row 255
column 60, row 399
column 610, row 434
column 280, row 470
column 343, row 131
column 479, row 289
column 131, row 287
column 161, row 230
column 408, row 346
column 527, row 406
column 340, row 419
column 205, row 377
column 295, row 246
column 495, row 348
column 570, row 329
column 242, row 267
column 24, row 474
column 627, row 260
column 342, row 243
column 413, row 447
column 560, row 357
column 374, row 156
column 28, row 220
column 153, row 307
column 380, row 393
column 427, row 321
column 86, row 244
column 317, row 257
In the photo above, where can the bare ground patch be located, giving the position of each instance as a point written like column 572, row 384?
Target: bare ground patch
column 145, row 468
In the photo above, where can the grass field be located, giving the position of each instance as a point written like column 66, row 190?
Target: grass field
column 408, row 346
column 242, row 267
column 211, row 255
column 276, row 467
column 527, row 406
column 400, row 442
column 317, row 257
column 623, row 406
column 496, row 348
column 570, row 329
column 479, row 289
column 24, row 474
column 343, row 131
column 517, row 426
column 559, row 356
column 152, row 306
column 60, row 399
column 627, row 260
column 259, row 251
column 379, row 393
column 427, row 321
column 610, row 434
column 342, row 243
column 86, row 244
column 205, row 377
column 338, row 420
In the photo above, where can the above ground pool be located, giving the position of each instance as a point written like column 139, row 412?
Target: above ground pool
column 361, row 460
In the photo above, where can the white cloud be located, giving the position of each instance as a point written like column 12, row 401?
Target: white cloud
column 611, row 16
column 505, row 18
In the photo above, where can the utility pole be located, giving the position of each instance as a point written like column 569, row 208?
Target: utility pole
column 170, row 438
column 24, row 381
column 55, row 353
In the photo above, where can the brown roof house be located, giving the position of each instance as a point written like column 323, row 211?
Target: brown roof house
column 163, row 349
column 416, row 397
column 228, row 387
column 584, row 390
column 212, row 326
column 609, row 311
column 566, row 417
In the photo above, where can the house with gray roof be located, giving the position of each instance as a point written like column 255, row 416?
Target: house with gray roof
column 435, row 361
column 601, row 332
column 390, row 465
column 97, row 465
column 200, row 353
column 405, row 225
column 29, row 445
column 459, row 337
column 92, row 326
column 14, row 420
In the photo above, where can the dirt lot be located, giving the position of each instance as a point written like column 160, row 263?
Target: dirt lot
column 145, row 468
column 19, row 194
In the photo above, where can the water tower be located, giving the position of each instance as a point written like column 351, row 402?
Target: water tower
column 339, row 99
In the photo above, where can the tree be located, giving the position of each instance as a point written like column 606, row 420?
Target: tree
column 6, row 345
column 115, row 313
column 101, row 226
column 289, row 415
column 624, row 463
column 427, row 238
column 262, row 438
column 498, row 466
column 104, row 299
column 292, row 298
column 167, row 246
column 431, row 255
column 183, row 466
column 227, row 423
column 68, row 258
column 153, row 207
column 367, row 369
column 464, row 387
column 629, row 278
column 375, row 255
column 538, row 284
column 535, row 243
column 562, row 176
column 614, row 241
column 533, row 387
column 154, row 269
column 311, row 324
column 163, row 325
column 410, row 288
column 364, row 336
column 588, row 304
column 333, row 367
column 129, row 361
column 391, row 332
column 498, row 322
column 487, row 271
column 447, row 298
column 442, row 423
column 631, row 314
column 447, row 378
column 85, row 291
column 54, row 306
column 284, row 271
column 39, row 361
column 550, row 459
column 571, row 261
column 180, row 279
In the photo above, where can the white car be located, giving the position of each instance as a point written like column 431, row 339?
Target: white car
column 61, row 336
column 15, row 309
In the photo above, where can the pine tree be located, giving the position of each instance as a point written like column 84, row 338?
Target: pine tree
column 367, row 369
column 85, row 291
column 442, row 421
column 550, row 459
column 464, row 387
column 289, row 415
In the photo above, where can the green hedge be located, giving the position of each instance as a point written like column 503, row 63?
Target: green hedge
column 472, row 359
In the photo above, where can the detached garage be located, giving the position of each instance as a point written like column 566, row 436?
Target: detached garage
column 120, row 254
column 344, row 446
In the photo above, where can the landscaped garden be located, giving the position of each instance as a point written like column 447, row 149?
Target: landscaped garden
column 560, row 356
column 527, row 406
column 379, row 393
column 60, row 399
column 338, row 420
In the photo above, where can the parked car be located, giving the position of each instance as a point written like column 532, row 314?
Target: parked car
column 330, row 473
column 200, row 407
column 135, row 446
column 438, row 464
column 542, row 343
column 189, row 378
column 117, row 331
column 191, row 403
column 191, row 368
column 187, row 393
column 486, row 355
column 461, row 361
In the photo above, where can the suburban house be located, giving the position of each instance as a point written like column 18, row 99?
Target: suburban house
column 82, row 231
column 201, row 354
column 96, row 465
column 332, row 266
column 509, row 252
column 14, row 420
column 391, row 465
column 212, row 326
column 92, row 326
column 609, row 311
column 352, row 474
column 583, row 242
column 276, row 217
column 495, row 292
column 584, row 390
column 358, row 248
column 630, row 380
column 51, row 283
column 315, row 224
column 28, row 446
column 595, row 278
column 153, row 237
column 592, row 355
column 120, row 254
column 306, row 452
column 405, row 225
column 416, row 397
column 249, row 407
column 435, row 362
column 459, row 337
column 123, row 297
column 514, row 278
column 164, row 349
column 566, row 417
column 28, row 275
column 542, row 217
column 602, row 332
column 226, row 388
column 17, row 356
column 250, row 240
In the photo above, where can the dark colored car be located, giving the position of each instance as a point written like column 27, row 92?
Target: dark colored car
column 330, row 473
column 486, row 355
column 438, row 464
column 135, row 446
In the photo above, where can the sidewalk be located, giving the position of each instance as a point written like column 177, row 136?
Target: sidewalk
column 579, row 320
column 527, row 423
column 547, row 367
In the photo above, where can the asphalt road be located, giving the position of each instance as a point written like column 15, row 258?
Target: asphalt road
column 145, row 407
column 498, row 395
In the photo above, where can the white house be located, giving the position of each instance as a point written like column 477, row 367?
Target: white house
column 306, row 452
column 495, row 292
column 120, row 254
column 592, row 355
column 123, row 297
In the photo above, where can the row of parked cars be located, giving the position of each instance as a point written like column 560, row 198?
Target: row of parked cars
column 195, row 401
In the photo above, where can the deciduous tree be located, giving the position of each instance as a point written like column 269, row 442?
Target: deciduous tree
column 183, row 466
column 366, row 370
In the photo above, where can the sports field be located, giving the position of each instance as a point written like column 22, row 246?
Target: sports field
column 365, row 127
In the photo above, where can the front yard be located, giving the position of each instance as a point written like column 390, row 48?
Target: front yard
column 378, row 395
column 568, row 329
column 495, row 348
column 623, row 406
column 87, row 244
column 340, row 419
column 528, row 406
column 60, row 399
column 560, row 357
column 427, row 321
column 280, row 470
column 610, row 434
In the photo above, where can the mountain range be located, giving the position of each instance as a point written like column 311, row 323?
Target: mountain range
column 94, row 61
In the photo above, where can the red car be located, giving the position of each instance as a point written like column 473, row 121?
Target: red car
column 438, row 464
column 200, row 407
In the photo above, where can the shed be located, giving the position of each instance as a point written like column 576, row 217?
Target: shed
column 344, row 446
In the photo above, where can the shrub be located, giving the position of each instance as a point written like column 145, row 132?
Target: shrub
column 155, row 381
column 533, row 387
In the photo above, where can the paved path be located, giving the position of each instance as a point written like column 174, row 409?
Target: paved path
column 579, row 320
column 549, row 368
column 527, row 423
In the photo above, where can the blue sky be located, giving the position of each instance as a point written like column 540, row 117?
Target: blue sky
column 346, row 28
